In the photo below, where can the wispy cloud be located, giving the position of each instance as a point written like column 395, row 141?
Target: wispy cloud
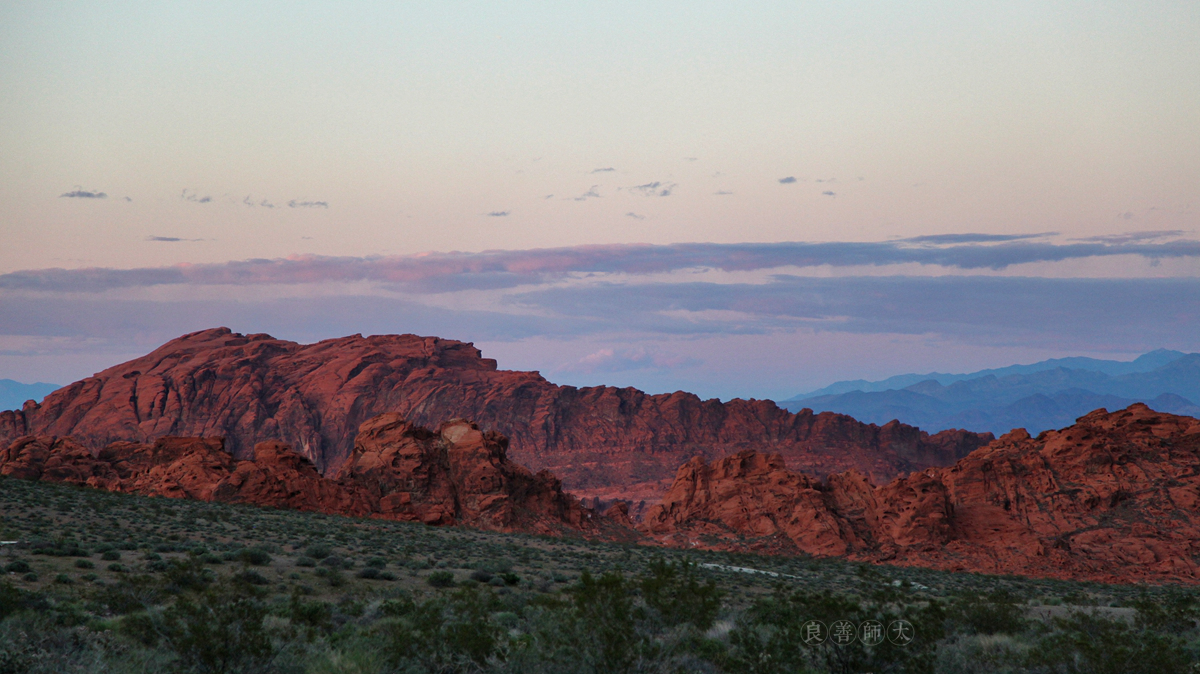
column 590, row 194
column 498, row 214
column 189, row 195
column 654, row 189
column 722, row 193
column 635, row 216
column 940, row 239
column 606, row 169
column 250, row 203
column 1130, row 237
column 169, row 239
column 78, row 193
column 787, row 181
column 829, row 193
column 622, row 360
column 307, row 204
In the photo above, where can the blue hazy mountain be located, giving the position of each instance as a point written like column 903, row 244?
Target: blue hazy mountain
column 1050, row 394
column 13, row 394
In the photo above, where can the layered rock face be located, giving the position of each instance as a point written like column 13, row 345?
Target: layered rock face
column 1115, row 497
column 456, row 475
column 603, row 442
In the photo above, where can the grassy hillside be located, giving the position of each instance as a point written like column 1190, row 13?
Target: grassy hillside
column 104, row 582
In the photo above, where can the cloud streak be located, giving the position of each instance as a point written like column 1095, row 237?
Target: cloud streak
column 307, row 204
column 83, row 194
column 441, row 272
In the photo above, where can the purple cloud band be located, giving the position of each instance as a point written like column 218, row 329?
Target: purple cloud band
column 437, row 272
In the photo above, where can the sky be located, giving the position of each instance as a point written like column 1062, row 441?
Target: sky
column 747, row 200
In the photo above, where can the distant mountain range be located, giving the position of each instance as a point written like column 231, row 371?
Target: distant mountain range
column 1046, row 395
column 13, row 394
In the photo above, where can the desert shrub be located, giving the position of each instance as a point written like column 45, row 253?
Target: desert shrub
column 63, row 579
column 312, row 617
column 481, row 576
column 157, row 566
column 187, row 575
column 11, row 600
column 400, row 604
column 510, row 578
column 318, row 551
column 152, row 557
column 128, row 596
column 452, row 633
column 211, row 558
column 674, row 591
column 496, row 581
column 1174, row 611
column 84, row 564
column 332, row 576
column 994, row 613
column 377, row 562
column 219, row 631
column 441, row 579
column 110, row 555
column 115, row 568
column 369, row 572
column 18, row 566
column 1085, row 643
column 306, row 561
column 250, row 577
column 973, row 653
column 254, row 556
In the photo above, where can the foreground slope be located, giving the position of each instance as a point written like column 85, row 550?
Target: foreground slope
column 1115, row 497
column 601, row 441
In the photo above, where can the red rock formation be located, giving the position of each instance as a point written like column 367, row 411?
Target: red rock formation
column 457, row 475
column 603, row 442
column 1116, row 497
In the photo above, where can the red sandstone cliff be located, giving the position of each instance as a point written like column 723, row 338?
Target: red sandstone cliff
column 454, row 475
column 1116, row 497
column 602, row 442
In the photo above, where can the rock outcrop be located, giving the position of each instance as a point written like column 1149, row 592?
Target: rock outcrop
column 1115, row 497
column 456, row 475
column 603, row 442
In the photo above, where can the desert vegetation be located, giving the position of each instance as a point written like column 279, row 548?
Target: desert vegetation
column 106, row 582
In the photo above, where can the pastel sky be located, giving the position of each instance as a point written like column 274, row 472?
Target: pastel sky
column 739, row 199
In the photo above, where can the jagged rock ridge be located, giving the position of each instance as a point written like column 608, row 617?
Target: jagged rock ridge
column 1115, row 497
column 603, row 442
column 456, row 475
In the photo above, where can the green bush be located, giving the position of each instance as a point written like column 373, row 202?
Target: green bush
column 84, row 564
column 318, row 551
column 110, row 555
column 219, row 631
column 254, row 557
column 441, row 579
column 306, row 562
column 19, row 566
column 1090, row 643
column 11, row 600
column 994, row 613
column 250, row 577
column 678, row 596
